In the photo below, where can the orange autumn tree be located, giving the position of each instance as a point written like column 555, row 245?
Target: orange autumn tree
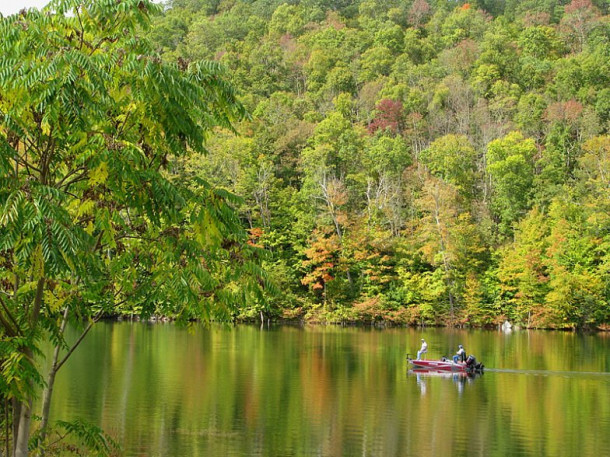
column 321, row 261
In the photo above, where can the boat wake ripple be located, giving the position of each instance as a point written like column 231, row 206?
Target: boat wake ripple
column 548, row 372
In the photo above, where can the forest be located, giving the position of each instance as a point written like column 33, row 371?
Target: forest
column 389, row 162
column 414, row 162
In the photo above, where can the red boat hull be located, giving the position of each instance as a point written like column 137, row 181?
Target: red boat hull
column 440, row 365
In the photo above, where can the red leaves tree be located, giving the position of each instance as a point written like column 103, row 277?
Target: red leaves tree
column 390, row 116
column 418, row 12
column 580, row 18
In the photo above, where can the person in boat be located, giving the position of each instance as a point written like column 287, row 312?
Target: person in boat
column 423, row 350
column 461, row 355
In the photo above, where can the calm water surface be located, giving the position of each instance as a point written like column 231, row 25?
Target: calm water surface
column 161, row 390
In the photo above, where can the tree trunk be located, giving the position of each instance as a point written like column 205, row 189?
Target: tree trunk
column 7, row 431
column 48, row 391
column 46, row 401
column 16, row 414
column 23, row 409
column 23, row 418
column 23, row 433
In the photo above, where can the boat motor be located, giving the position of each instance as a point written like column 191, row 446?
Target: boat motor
column 471, row 364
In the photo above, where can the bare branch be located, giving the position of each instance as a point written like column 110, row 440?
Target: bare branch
column 80, row 339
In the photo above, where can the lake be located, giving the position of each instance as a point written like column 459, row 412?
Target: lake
column 163, row 390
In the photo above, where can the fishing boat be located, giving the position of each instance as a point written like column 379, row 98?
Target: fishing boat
column 444, row 364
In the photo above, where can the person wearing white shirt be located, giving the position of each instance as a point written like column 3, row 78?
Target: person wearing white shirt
column 423, row 350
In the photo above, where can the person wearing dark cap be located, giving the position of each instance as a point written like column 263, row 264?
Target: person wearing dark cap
column 423, row 350
column 461, row 355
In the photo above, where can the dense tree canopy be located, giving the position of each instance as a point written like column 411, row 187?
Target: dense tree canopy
column 417, row 161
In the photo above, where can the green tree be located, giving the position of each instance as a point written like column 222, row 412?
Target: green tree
column 453, row 159
column 522, row 272
column 499, row 59
column 464, row 22
column 96, row 213
column 576, row 297
column 335, row 147
column 391, row 37
column 541, row 42
column 376, row 61
column 530, row 115
column 449, row 241
column 286, row 19
column 510, row 164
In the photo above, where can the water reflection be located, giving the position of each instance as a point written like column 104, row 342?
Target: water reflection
column 167, row 391
column 459, row 379
column 421, row 383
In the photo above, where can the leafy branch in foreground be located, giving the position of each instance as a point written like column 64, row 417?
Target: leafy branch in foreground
column 94, row 217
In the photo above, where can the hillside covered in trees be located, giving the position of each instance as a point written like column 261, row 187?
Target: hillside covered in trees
column 435, row 162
